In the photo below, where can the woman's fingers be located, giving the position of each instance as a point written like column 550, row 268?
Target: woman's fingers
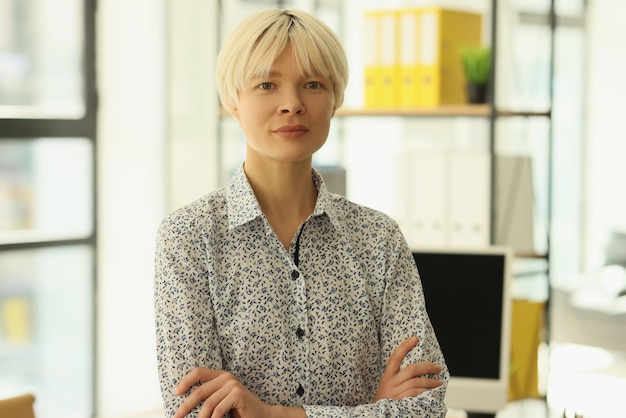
column 398, row 355
column 210, row 381
column 422, row 369
column 415, row 387
column 414, row 379
column 187, row 382
column 215, row 404
column 196, row 376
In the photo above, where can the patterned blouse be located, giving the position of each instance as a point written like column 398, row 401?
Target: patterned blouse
column 312, row 326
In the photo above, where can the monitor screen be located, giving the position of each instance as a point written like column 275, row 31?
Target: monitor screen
column 467, row 300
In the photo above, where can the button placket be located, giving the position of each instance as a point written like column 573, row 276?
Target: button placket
column 298, row 325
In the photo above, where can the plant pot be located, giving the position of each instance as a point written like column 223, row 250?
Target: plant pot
column 477, row 93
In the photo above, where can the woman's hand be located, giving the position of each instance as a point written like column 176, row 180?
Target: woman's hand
column 219, row 392
column 397, row 383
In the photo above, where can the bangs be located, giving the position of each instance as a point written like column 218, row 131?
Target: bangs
column 251, row 50
column 306, row 52
column 309, row 59
column 262, row 56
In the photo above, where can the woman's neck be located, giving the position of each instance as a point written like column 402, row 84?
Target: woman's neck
column 284, row 190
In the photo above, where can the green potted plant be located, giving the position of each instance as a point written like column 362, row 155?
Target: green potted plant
column 477, row 66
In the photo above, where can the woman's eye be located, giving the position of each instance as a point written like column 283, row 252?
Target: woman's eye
column 265, row 86
column 314, row 85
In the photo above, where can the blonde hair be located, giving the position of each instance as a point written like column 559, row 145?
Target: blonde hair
column 251, row 49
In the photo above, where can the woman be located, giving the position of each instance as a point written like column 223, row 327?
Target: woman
column 273, row 296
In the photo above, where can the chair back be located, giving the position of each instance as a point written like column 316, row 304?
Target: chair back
column 18, row 407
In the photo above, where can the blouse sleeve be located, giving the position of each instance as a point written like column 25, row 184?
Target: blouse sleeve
column 404, row 315
column 185, row 329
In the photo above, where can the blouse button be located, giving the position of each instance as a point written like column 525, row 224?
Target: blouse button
column 295, row 274
column 300, row 390
column 300, row 332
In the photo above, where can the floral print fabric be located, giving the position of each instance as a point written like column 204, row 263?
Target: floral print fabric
column 311, row 326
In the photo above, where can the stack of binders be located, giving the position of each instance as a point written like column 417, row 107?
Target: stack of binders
column 413, row 56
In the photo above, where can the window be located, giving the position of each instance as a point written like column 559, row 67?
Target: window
column 47, row 203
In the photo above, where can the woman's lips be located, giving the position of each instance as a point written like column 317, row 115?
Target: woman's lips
column 291, row 131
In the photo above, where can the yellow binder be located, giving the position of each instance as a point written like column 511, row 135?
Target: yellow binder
column 527, row 329
column 382, row 69
column 372, row 60
column 443, row 35
column 409, row 56
column 390, row 63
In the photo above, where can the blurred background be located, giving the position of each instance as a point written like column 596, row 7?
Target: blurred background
column 109, row 119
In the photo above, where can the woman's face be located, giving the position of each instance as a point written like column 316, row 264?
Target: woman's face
column 286, row 116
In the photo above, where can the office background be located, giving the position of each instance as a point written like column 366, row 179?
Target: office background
column 147, row 92
column 143, row 138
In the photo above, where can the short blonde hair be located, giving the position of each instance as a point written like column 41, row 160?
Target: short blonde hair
column 251, row 49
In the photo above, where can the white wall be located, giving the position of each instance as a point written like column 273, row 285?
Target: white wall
column 131, row 47
column 193, row 104
column 606, row 137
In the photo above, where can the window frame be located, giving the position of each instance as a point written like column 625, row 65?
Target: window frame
column 29, row 128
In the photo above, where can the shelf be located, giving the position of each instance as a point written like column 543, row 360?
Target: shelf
column 449, row 110
column 32, row 236
column 483, row 110
column 523, row 113
column 535, row 256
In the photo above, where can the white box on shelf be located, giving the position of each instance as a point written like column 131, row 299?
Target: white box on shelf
column 427, row 217
column 468, row 191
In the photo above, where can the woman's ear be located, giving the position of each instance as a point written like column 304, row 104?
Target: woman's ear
column 234, row 112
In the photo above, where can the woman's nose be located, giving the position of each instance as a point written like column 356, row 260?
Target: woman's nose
column 292, row 104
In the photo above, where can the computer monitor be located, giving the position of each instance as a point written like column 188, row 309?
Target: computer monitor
column 467, row 299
